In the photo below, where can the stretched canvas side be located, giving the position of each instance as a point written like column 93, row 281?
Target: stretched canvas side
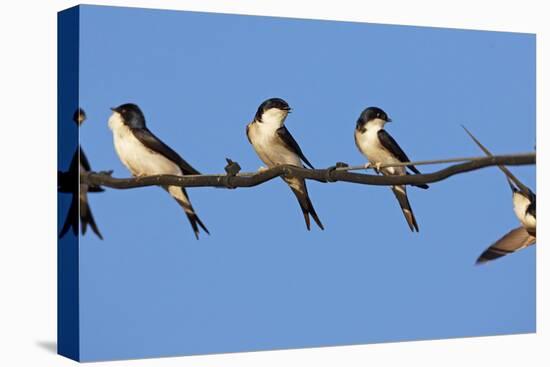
column 67, row 197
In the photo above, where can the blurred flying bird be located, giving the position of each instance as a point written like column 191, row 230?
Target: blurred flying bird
column 524, row 201
column 68, row 182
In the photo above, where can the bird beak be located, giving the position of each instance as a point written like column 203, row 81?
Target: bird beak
column 389, row 120
column 289, row 110
column 114, row 109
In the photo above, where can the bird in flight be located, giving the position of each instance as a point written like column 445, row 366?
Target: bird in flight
column 524, row 201
column 69, row 183
column 275, row 146
column 380, row 148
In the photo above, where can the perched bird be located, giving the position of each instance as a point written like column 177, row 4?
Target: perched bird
column 275, row 146
column 524, row 201
column 380, row 148
column 144, row 155
column 69, row 183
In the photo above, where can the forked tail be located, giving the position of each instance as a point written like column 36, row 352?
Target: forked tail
column 400, row 193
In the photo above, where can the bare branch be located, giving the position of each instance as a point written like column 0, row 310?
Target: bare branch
column 332, row 174
column 426, row 162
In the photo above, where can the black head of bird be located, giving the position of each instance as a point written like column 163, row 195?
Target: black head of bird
column 131, row 114
column 79, row 116
column 370, row 114
column 276, row 105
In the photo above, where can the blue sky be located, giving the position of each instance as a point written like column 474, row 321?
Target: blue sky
column 261, row 280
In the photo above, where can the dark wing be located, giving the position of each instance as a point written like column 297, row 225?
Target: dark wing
column 513, row 241
column 71, row 221
column 291, row 144
column 532, row 208
column 390, row 144
column 83, row 160
column 148, row 139
column 68, row 183
column 86, row 166
column 524, row 189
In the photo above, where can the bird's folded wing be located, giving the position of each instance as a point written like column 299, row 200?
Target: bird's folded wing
column 391, row 145
column 291, row 144
column 148, row 139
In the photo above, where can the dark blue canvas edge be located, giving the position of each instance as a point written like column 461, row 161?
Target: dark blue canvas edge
column 68, row 333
